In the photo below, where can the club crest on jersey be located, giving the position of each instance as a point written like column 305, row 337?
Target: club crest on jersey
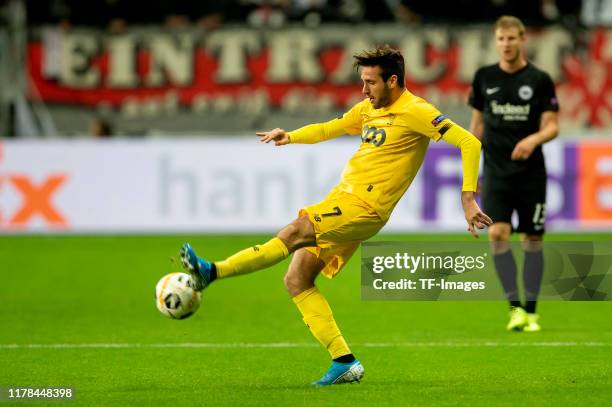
column 525, row 92
column 373, row 135
column 438, row 120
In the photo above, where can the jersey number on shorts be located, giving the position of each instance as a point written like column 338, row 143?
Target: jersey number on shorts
column 336, row 212
column 540, row 214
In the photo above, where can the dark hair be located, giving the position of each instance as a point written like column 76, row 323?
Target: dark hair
column 390, row 61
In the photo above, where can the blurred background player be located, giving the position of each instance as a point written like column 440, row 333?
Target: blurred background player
column 100, row 127
column 514, row 113
column 395, row 127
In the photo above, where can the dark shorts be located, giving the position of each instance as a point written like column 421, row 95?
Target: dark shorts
column 526, row 195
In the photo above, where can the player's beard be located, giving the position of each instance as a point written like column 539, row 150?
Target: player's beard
column 383, row 99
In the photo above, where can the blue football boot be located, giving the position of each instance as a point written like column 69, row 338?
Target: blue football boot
column 339, row 373
column 200, row 269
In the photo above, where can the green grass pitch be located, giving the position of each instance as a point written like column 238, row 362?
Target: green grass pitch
column 89, row 302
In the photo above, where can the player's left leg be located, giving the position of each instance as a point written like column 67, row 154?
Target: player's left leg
column 533, row 271
column 532, row 223
column 317, row 314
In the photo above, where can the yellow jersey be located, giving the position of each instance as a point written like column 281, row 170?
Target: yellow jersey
column 394, row 142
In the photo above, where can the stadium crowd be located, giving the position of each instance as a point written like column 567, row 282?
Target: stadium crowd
column 116, row 14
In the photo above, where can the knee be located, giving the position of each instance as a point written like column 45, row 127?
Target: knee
column 499, row 233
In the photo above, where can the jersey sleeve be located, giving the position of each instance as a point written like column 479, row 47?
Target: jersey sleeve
column 470, row 154
column 475, row 98
column 349, row 123
column 425, row 119
column 548, row 97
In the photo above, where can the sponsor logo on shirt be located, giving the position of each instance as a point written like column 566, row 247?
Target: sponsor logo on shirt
column 490, row 91
column 525, row 92
column 373, row 135
column 511, row 112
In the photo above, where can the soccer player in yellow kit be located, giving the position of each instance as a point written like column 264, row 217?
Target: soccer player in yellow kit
column 395, row 127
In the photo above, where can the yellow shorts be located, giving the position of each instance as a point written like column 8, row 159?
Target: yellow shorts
column 341, row 222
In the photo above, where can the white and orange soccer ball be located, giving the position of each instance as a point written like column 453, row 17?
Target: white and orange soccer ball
column 176, row 297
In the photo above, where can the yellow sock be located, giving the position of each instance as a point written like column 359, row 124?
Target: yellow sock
column 253, row 259
column 318, row 316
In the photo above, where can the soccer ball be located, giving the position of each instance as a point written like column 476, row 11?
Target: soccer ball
column 176, row 297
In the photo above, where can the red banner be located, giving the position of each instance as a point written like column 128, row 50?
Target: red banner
column 296, row 70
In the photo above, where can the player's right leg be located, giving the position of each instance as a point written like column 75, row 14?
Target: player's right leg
column 299, row 233
column 505, row 265
column 498, row 197
column 317, row 315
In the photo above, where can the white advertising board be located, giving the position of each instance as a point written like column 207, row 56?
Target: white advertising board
column 228, row 185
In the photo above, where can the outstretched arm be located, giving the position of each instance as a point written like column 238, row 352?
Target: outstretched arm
column 470, row 158
column 313, row 133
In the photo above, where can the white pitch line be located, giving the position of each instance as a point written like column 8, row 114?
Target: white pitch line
column 483, row 344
